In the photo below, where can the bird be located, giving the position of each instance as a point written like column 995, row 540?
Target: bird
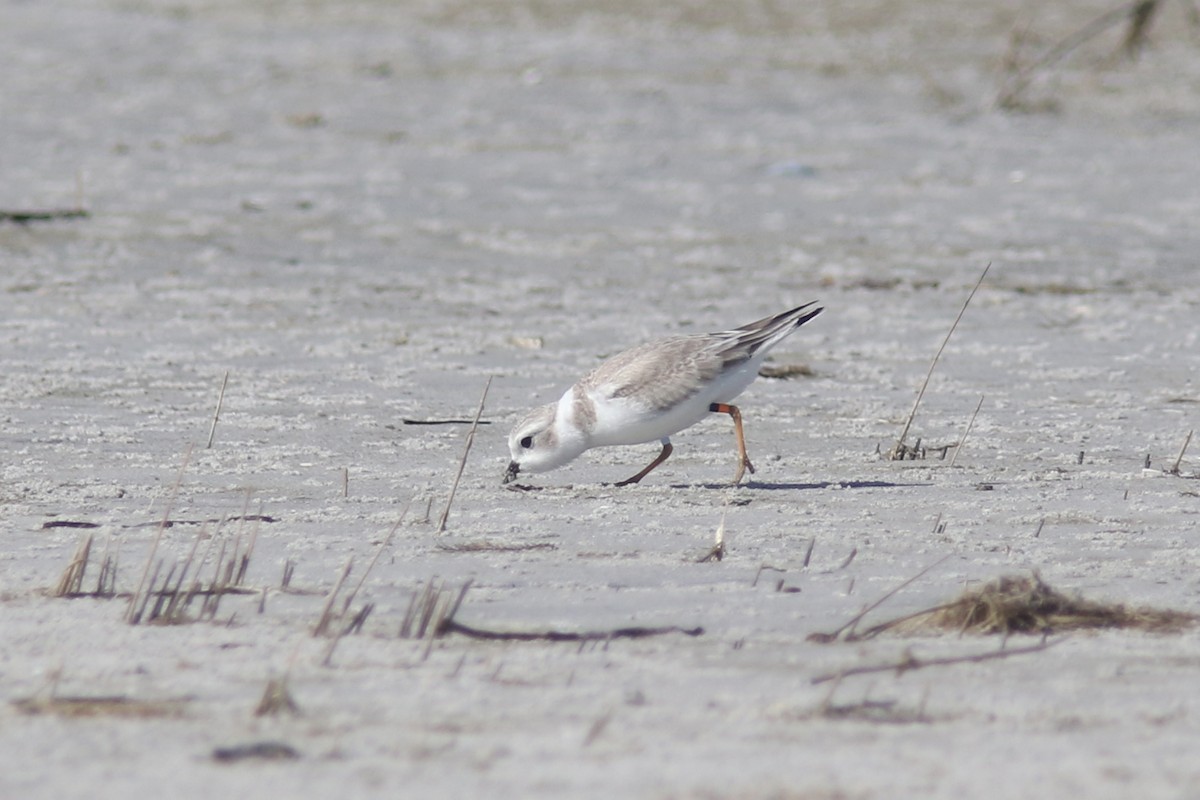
column 648, row 393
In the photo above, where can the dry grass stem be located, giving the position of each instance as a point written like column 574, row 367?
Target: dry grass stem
column 167, row 604
column 140, row 611
column 1174, row 470
column 417, row 605
column 967, row 432
column 277, row 699
column 326, row 617
column 1140, row 17
column 71, row 582
column 353, row 626
column 846, row 632
column 1016, row 78
column 106, row 581
column 387, row 540
column 212, row 431
column 174, row 595
column 134, row 614
column 466, row 451
column 901, row 451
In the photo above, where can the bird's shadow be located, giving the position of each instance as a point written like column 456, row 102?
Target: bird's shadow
column 759, row 485
column 769, row 486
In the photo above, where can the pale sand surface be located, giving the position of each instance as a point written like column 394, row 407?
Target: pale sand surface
column 363, row 211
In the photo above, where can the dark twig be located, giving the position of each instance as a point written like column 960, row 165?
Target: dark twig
column 42, row 215
column 846, row 562
column 432, row 611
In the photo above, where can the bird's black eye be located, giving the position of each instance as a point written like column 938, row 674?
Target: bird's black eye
column 527, row 442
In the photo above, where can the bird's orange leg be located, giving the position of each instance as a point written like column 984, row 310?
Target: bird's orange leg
column 743, row 459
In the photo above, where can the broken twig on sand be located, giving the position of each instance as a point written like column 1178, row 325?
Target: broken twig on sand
column 910, row 662
column 42, row 215
column 450, row 626
column 431, row 614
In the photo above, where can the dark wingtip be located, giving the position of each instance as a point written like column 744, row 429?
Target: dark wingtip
column 781, row 318
column 801, row 320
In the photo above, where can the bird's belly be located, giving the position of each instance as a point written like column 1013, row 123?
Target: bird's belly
column 620, row 421
column 623, row 420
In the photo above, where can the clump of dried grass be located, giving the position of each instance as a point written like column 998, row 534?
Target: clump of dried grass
column 1027, row 604
column 70, row 584
column 168, row 602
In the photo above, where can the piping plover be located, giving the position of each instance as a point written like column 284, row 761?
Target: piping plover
column 649, row 392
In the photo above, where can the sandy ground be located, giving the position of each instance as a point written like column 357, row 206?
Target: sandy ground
column 362, row 212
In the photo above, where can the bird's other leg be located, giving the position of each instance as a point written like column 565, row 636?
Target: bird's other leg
column 666, row 451
column 743, row 459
